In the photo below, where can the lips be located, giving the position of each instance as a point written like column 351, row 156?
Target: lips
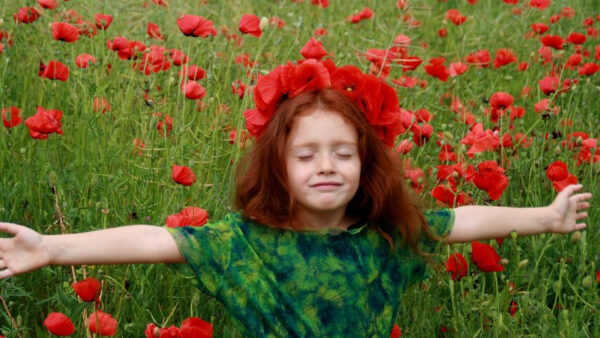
column 326, row 185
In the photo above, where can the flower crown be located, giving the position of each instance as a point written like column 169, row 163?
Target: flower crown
column 376, row 99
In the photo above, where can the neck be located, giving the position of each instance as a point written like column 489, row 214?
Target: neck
column 316, row 221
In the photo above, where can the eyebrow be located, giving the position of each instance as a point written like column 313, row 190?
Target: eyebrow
column 335, row 144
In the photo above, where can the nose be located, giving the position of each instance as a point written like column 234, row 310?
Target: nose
column 326, row 165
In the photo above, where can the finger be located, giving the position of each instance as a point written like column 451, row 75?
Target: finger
column 2, row 265
column 580, row 226
column 581, row 215
column 583, row 205
column 6, row 273
column 9, row 228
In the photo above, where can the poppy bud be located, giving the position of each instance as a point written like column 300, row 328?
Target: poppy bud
column 579, row 140
column 514, row 235
column 504, row 261
column 523, row 263
column 576, row 237
column 52, row 179
column 588, row 282
column 264, row 22
column 557, row 150
column 1, row 22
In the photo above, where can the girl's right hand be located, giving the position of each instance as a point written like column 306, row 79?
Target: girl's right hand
column 23, row 252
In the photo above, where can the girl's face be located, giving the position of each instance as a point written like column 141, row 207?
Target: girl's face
column 323, row 164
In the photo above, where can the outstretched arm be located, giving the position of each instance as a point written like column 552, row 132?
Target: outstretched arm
column 28, row 250
column 485, row 222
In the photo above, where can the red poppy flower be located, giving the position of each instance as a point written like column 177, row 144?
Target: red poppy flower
column 26, row 15
column 490, row 178
column 513, row 308
column 557, row 171
column 48, row 4
column 163, row 3
column 560, row 185
column 410, row 62
column 102, row 323
column 195, row 328
column 485, row 257
column 310, row 74
column 480, row 58
column 457, row 68
column 321, row 31
column 554, row 41
column 15, row 117
column 436, row 68
column 250, row 24
column 549, row 84
column 59, row 324
column 87, row 289
column 55, row 70
column 539, row 4
column 598, row 276
column 64, row 31
column 183, row 175
column 188, row 216
column 101, row 105
column 154, row 31
column 166, row 121
column 589, row 68
column 576, row 38
column 192, row 72
column 503, row 57
column 103, row 21
column 44, row 122
column 152, row 331
column 178, row 57
column 313, row 49
column 196, row 25
column 193, row 90
column 396, row 332
column 457, row 265
column 238, row 88
column 448, row 195
column 539, row 27
column 84, row 60
column 455, row 17
column 501, row 100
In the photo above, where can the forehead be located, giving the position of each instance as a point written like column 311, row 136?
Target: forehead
column 321, row 126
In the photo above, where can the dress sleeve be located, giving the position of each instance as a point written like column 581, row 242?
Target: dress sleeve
column 440, row 224
column 206, row 250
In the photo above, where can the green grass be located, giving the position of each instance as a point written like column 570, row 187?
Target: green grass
column 103, row 183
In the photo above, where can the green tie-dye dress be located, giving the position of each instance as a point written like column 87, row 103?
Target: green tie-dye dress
column 277, row 282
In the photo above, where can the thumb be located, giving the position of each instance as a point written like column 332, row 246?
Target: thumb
column 9, row 228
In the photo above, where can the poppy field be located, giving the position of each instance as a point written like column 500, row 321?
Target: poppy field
column 137, row 112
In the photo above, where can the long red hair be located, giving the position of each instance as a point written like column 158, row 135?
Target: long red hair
column 261, row 185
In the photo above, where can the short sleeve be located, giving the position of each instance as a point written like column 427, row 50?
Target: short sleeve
column 206, row 251
column 440, row 224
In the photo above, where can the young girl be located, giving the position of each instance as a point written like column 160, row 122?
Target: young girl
column 327, row 236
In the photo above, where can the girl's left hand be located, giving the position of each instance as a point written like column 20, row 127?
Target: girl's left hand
column 567, row 207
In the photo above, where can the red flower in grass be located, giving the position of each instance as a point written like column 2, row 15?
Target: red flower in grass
column 59, row 324
column 454, row 16
column 457, row 266
column 15, row 117
column 165, row 125
column 48, row 4
column 396, row 332
column 193, row 90
column 152, row 331
column 183, row 175
column 448, row 195
column 365, row 13
column 154, row 31
column 598, row 276
column 178, row 57
column 250, row 24
column 55, row 70
column 539, row 27
column 576, row 38
column 503, row 57
column 196, row 26
column 188, row 216
column 501, row 100
column 436, row 68
column 64, row 31
column 513, row 308
column 195, row 328
column 457, row 68
column 101, row 105
column 539, row 4
column 485, row 257
column 589, row 68
column 554, row 41
column 557, row 171
column 44, row 122
column 549, row 84
column 103, row 21
column 87, row 289
column 26, row 15
column 490, row 178
column 84, row 60
column 192, row 72
column 560, row 185
column 481, row 58
column 313, row 49
column 102, row 323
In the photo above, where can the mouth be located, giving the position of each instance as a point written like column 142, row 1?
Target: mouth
column 326, row 185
